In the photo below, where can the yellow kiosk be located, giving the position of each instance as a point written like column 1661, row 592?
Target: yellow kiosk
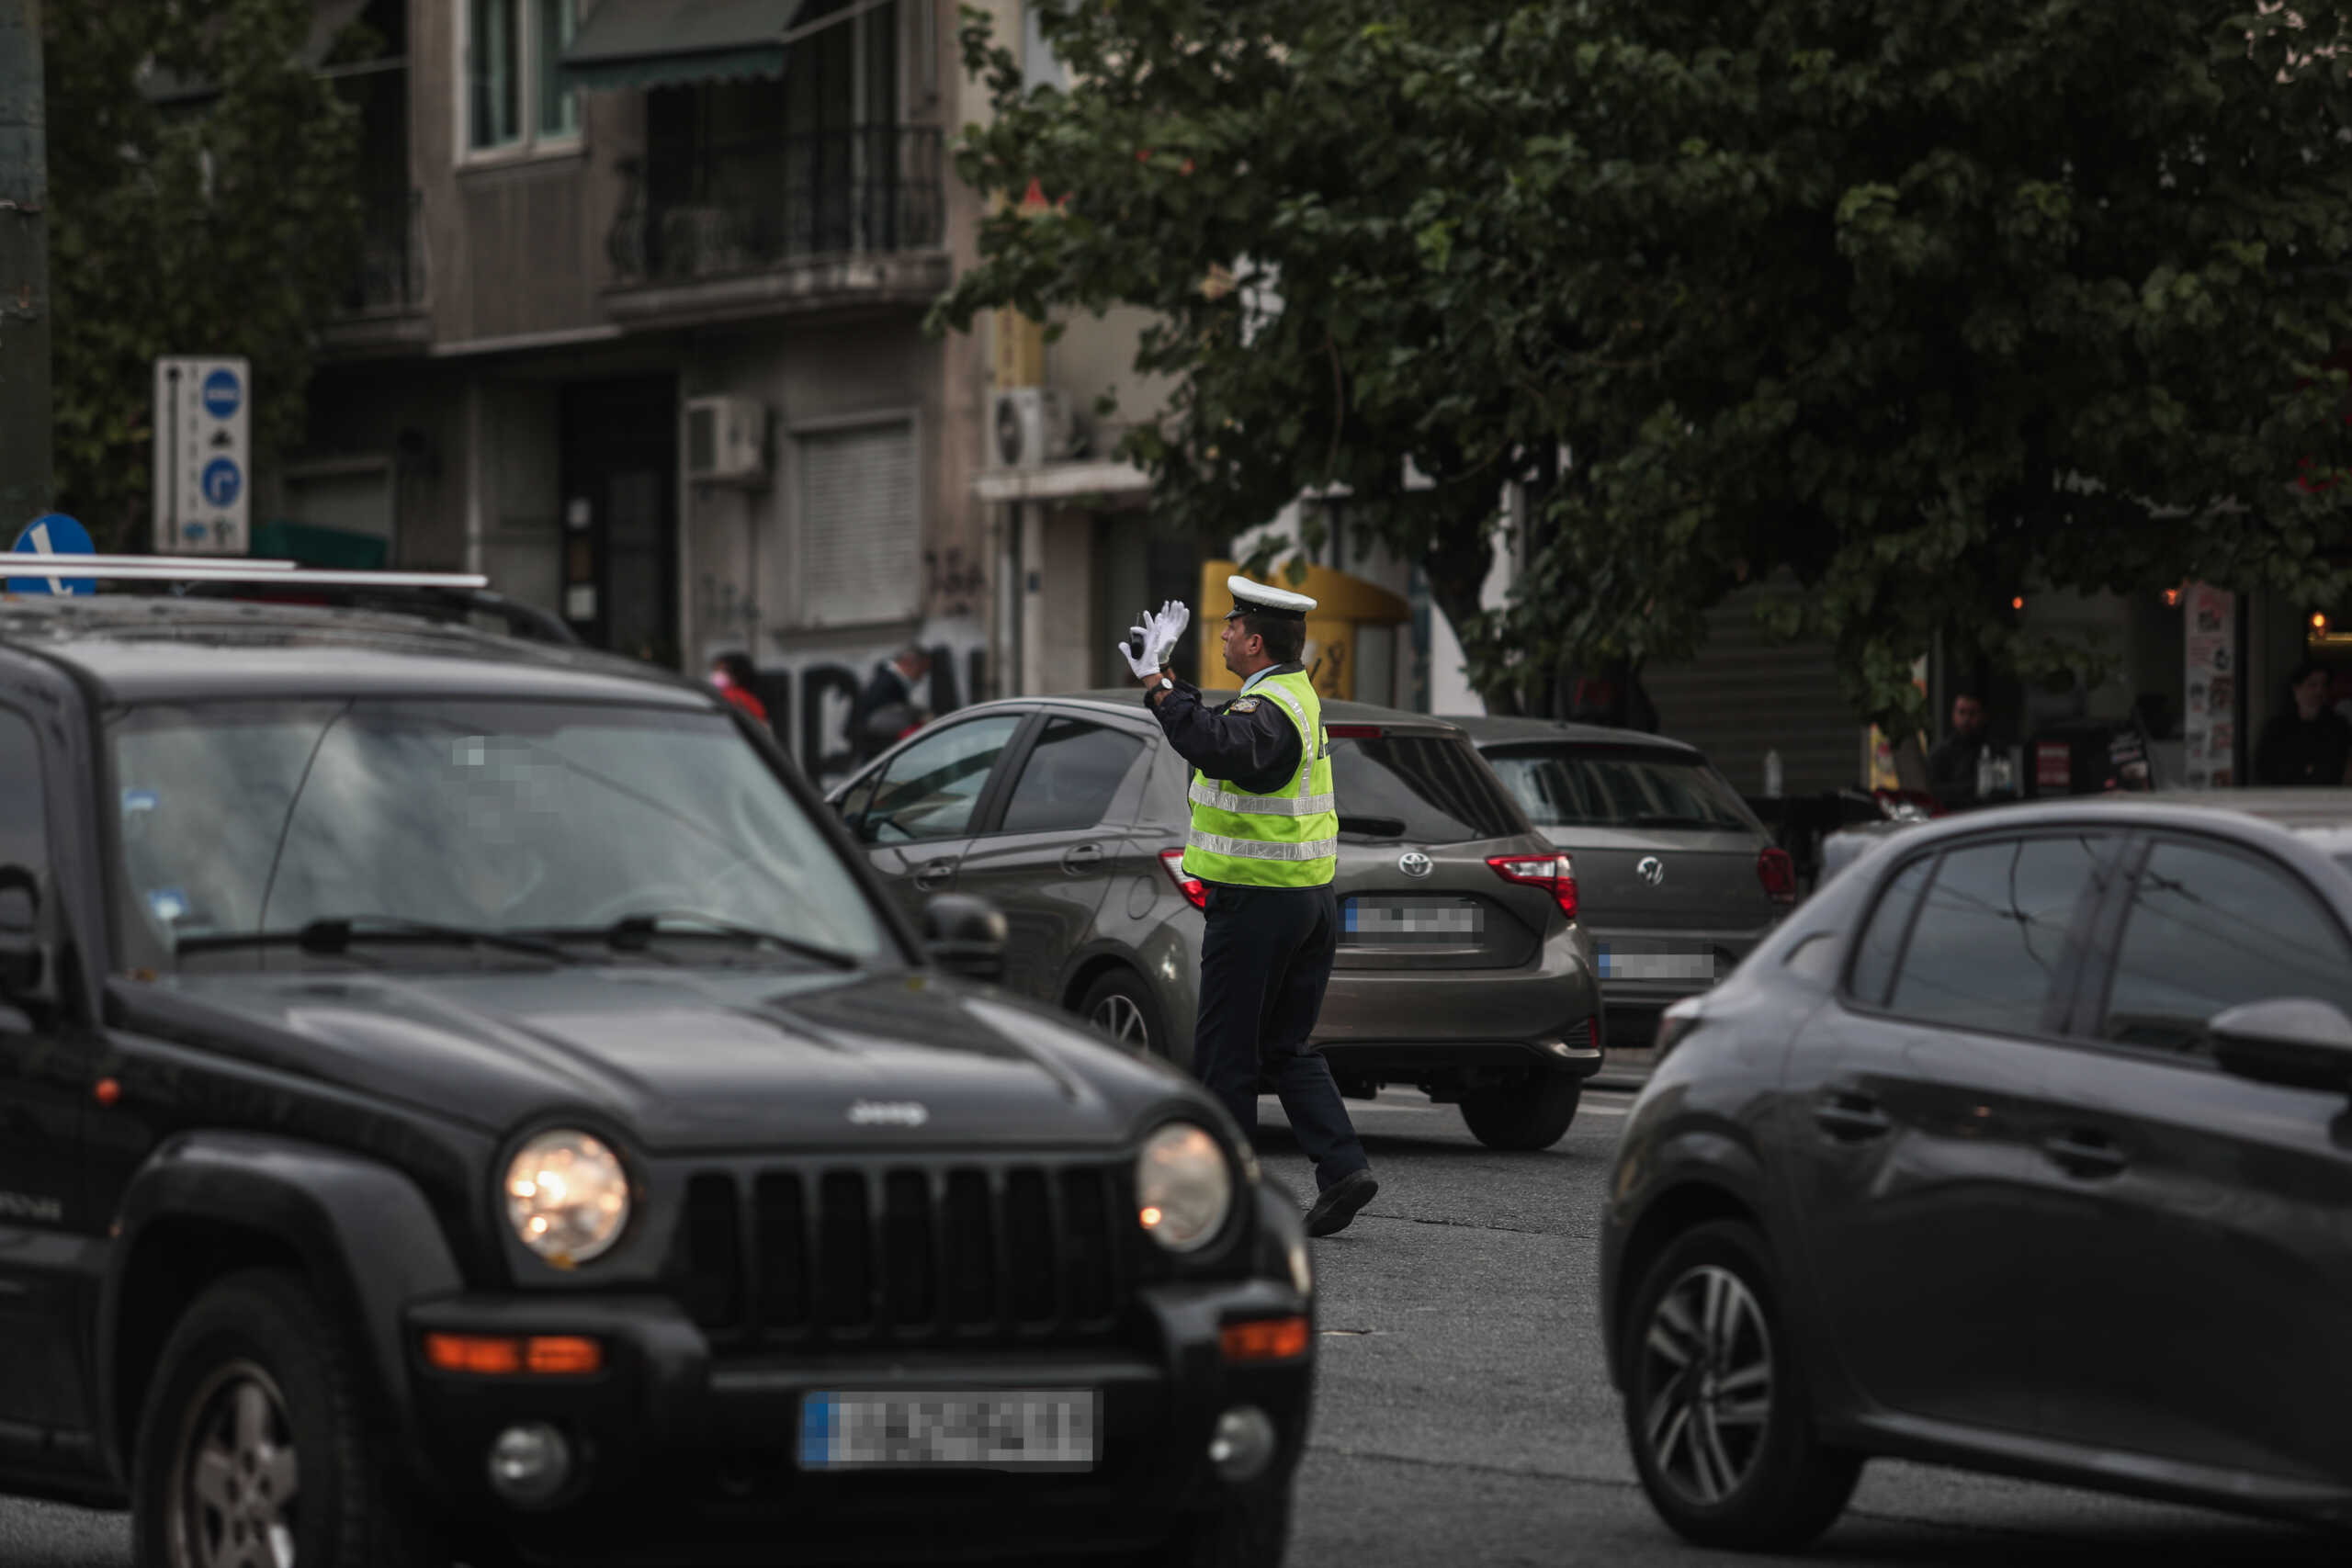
column 1345, row 606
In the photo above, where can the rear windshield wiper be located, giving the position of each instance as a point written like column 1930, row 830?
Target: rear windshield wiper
column 336, row 933
column 635, row 932
column 1371, row 827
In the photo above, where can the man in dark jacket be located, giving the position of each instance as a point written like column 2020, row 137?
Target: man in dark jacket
column 2310, row 744
column 889, row 706
column 1951, row 766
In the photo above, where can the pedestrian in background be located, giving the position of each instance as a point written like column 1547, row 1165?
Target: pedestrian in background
column 1953, row 765
column 2308, row 744
column 735, row 677
column 1264, row 839
column 889, row 706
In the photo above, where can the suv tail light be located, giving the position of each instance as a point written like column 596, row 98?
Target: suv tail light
column 1196, row 891
column 1557, row 874
column 1778, row 872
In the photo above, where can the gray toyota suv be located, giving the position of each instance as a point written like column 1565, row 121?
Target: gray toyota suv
column 1462, row 969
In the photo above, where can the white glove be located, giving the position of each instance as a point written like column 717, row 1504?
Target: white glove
column 1142, row 664
column 1174, row 616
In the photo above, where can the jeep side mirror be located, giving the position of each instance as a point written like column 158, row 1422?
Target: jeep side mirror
column 2296, row 1041
column 965, row 936
column 21, row 958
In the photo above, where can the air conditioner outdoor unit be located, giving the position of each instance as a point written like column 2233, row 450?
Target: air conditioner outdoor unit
column 727, row 440
column 1033, row 427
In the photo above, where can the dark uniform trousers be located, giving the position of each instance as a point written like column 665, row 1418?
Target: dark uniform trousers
column 1265, row 959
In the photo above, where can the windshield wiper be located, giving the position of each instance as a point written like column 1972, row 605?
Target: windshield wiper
column 635, row 933
column 336, row 933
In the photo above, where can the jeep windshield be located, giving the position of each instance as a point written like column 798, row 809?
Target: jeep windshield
column 408, row 829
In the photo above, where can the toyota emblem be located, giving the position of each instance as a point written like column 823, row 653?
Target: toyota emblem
column 1652, row 869
column 1412, row 863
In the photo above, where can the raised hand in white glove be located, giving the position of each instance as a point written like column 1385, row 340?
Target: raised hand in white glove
column 1174, row 616
column 1143, row 664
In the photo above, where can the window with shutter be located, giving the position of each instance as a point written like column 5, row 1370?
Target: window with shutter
column 860, row 528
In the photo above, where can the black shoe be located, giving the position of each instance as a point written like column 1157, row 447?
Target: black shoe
column 1338, row 1203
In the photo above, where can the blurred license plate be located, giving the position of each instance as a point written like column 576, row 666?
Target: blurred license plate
column 1036, row 1430
column 1655, row 965
column 1411, row 917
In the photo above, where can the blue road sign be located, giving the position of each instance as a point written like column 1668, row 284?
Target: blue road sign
column 53, row 535
column 222, row 394
column 222, row 481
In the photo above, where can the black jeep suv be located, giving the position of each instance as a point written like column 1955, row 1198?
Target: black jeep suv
column 465, row 1097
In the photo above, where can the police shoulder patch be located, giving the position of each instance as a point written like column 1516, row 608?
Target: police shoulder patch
column 1244, row 704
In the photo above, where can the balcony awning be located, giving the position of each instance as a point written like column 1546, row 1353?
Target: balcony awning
column 641, row 44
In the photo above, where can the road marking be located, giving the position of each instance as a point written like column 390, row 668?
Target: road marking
column 1606, row 1110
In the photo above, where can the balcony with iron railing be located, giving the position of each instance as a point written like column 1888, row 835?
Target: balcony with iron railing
column 383, row 308
column 780, row 223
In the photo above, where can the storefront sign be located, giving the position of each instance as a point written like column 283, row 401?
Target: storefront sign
column 2210, row 689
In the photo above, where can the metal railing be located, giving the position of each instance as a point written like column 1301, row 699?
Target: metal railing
column 751, row 206
column 391, row 254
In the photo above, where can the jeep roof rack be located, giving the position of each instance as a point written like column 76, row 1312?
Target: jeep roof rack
column 443, row 596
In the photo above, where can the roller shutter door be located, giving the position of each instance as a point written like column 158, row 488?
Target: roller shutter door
column 860, row 527
column 1744, row 694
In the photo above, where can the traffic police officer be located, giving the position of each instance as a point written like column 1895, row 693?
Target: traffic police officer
column 1264, row 839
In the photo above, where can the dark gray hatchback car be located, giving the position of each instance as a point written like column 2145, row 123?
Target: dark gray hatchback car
column 1676, row 879
column 2026, row 1145
column 1462, row 969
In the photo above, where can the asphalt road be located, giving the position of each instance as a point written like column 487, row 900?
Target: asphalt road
column 1464, row 1417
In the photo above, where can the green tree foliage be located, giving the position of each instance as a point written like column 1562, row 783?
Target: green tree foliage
column 1927, row 302
column 225, row 225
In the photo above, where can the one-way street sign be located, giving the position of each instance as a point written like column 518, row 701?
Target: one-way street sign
column 203, row 465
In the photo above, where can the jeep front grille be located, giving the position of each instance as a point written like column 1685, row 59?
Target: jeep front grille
column 822, row 1253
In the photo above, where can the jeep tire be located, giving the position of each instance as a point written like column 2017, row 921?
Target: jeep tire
column 262, row 1439
column 1525, row 1115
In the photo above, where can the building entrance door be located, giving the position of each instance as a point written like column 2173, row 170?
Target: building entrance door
column 620, row 515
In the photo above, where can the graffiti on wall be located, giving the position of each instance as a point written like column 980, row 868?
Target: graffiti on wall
column 810, row 693
column 953, row 582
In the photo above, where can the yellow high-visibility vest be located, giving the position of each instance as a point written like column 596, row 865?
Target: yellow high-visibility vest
column 1286, row 839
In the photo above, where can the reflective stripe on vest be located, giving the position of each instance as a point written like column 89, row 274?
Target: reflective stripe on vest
column 1262, row 805
column 1252, row 849
column 1286, row 838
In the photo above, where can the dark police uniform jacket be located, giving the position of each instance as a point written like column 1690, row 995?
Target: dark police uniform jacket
column 1247, row 742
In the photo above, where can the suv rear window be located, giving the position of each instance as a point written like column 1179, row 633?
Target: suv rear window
column 1563, row 786
column 1432, row 789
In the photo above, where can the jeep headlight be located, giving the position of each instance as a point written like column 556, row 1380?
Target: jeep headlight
column 567, row 1197
column 1183, row 1187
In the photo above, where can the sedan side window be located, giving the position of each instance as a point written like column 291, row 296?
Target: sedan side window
column 1984, row 951
column 1874, row 955
column 929, row 790
column 2209, row 928
column 1070, row 777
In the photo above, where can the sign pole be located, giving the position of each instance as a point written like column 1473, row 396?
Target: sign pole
column 25, row 476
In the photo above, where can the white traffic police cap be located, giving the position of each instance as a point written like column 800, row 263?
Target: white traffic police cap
column 1256, row 598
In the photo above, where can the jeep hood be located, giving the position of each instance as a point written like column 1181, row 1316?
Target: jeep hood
column 683, row 1058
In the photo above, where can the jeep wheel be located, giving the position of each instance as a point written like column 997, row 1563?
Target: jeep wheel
column 1122, row 1006
column 1716, row 1410
column 1525, row 1115
column 259, row 1446
column 1253, row 1532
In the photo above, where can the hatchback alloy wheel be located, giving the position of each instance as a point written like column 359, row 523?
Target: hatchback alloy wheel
column 235, row 1479
column 1705, row 1384
column 1122, row 1019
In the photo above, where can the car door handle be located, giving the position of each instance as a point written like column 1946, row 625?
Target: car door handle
column 2080, row 1152
column 1080, row 858
column 934, row 875
column 1850, row 1118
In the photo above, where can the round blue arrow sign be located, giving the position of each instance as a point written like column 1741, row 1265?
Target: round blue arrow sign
column 222, row 481
column 53, row 535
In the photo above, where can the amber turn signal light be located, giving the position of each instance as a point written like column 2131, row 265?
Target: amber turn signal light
column 508, row 1355
column 1265, row 1339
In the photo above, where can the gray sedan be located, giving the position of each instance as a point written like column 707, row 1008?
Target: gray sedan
column 1461, row 969
column 1676, row 878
